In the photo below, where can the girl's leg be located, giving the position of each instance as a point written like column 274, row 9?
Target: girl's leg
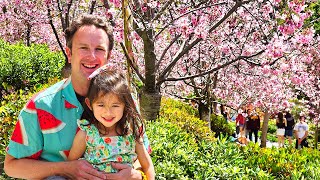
column 279, row 139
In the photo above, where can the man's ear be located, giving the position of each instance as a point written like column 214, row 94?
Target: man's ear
column 87, row 101
column 109, row 55
column 68, row 52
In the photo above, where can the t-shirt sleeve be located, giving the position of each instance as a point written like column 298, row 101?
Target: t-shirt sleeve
column 27, row 139
column 83, row 124
column 146, row 143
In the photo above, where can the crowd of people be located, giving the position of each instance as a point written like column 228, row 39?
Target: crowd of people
column 248, row 123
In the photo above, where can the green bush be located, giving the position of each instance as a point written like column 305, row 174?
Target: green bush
column 10, row 107
column 220, row 126
column 22, row 67
column 272, row 128
column 176, row 155
column 183, row 115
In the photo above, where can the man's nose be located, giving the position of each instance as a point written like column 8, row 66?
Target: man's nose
column 92, row 54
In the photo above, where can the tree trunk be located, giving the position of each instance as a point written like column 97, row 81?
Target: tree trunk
column 316, row 136
column 265, row 129
column 204, row 113
column 150, row 105
column 150, row 98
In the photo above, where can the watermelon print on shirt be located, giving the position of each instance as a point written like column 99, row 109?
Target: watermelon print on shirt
column 47, row 124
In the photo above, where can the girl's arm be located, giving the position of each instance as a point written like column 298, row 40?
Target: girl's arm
column 79, row 146
column 145, row 160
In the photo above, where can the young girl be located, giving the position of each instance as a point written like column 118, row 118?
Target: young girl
column 281, row 123
column 112, row 129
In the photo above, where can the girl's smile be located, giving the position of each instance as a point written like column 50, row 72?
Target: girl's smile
column 107, row 109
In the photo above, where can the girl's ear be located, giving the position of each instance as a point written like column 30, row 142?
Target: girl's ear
column 87, row 101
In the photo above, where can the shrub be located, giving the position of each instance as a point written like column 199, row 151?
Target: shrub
column 220, row 126
column 183, row 115
column 176, row 155
column 285, row 163
column 23, row 67
column 10, row 108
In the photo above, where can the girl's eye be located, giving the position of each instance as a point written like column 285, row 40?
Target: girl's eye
column 100, row 105
column 115, row 106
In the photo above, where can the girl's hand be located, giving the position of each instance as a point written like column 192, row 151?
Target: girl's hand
column 125, row 172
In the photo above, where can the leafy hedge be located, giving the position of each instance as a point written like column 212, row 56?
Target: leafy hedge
column 183, row 115
column 23, row 67
column 10, row 107
column 220, row 126
column 187, row 150
column 179, row 154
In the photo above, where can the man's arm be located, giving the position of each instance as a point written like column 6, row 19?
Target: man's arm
column 36, row 169
column 305, row 135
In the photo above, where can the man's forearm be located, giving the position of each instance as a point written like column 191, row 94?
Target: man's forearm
column 31, row 169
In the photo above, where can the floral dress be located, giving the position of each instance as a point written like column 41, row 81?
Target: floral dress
column 101, row 151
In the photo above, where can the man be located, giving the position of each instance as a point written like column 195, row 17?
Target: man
column 253, row 125
column 47, row 125
column 301, row 130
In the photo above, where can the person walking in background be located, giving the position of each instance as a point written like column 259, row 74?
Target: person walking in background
column 289, row 127
column 240, row 120
column 113, row 128
column 281, row 124
column 301, row 130
column 224, row 112
column 253, row 125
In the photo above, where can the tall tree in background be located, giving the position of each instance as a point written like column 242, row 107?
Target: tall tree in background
column 194, row 41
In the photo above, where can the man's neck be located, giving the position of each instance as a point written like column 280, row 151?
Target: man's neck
column 80, row 87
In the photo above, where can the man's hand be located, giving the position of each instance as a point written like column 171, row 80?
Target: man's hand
column 125, row 172
column 299, row 141
column 81, row 169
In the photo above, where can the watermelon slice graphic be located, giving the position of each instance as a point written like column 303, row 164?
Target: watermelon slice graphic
column 64, row 154
column 31, row 107
column 48, row 123
column 36, row 155
column 19, row 134
column 69, row 105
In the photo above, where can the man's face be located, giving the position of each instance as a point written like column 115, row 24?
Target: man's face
column 89, row 52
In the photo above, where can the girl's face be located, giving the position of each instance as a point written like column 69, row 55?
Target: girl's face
column 107, row 109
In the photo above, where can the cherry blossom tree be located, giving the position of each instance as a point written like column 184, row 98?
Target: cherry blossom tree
column 226, row 51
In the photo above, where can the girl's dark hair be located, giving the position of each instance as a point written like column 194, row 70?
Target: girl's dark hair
column 110, row 81
column 280, row 116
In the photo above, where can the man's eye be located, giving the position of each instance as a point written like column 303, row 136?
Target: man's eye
column 100, row 49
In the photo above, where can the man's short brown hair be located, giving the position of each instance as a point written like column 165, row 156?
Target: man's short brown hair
column 88, row 20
